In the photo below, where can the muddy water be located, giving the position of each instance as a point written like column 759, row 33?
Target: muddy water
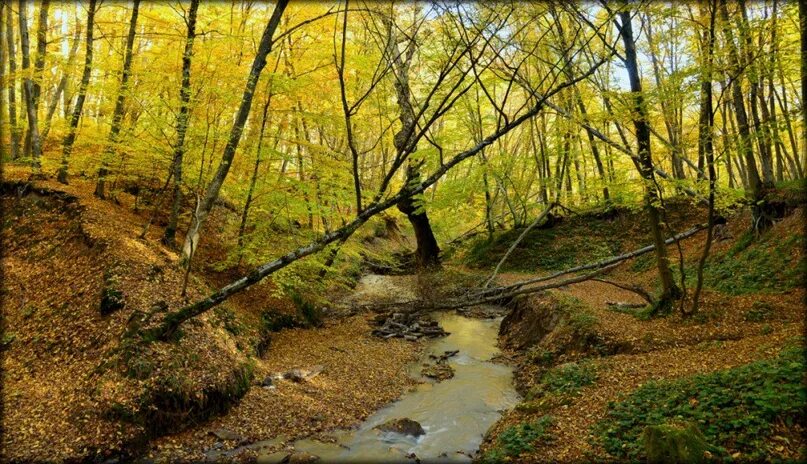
column 455, row 413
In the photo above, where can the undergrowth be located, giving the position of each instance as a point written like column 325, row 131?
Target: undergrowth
column 735, row 409
column 769, row 266
column 546, row 249
column 518, row 439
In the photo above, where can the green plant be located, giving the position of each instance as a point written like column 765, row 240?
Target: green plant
column 568, row 378
column 309, row 312
column 760, row 311
column 7, row 339
column 540, row 356
column 735, row 409
column 519, row 439
column 227, row 318
column 766, row 265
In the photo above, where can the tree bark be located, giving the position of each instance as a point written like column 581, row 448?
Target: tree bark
column 60, row 88
column 169, row 236
column 117, row 115
column 212, row 191
column 670, row 290
column 28, row 86
column 428, row 252
column 12, row 85
column 70, row 138
column 803, row 41
column 3, row 80
column 705, row 141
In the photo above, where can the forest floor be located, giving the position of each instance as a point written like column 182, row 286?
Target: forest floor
column 730, row 330
column 70, row 395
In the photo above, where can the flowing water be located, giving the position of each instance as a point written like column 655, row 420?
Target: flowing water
column 455, row 413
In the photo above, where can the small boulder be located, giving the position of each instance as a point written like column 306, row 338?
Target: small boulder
column 267, row 381
column 670, row 444
column 226, row 434
column 403, row 426
column 301, row 457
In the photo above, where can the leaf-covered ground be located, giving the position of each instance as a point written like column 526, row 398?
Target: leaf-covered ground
column 732, row 329
column 70, row 392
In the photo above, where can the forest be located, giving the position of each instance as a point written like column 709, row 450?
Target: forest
column 414, row 231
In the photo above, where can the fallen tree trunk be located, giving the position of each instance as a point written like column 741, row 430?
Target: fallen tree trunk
column 518, row 240
column 598, row 264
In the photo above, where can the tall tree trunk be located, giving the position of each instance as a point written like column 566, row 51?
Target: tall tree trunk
column 669, row 114
column 803, row 30
column 12, row 85
column 62, row 86
column 670, row 290
column 744, row 139
column 245, row 214
column 428, row 252
column 705, row 139
column 41, row 49
column 169, row 237
column 28, row 83
column 212, row 191
column 569, row 72
column 117, row 115
column 70, row 138
column 3, row 81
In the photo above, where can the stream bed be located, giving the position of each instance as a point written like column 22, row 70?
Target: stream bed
column 455, row 413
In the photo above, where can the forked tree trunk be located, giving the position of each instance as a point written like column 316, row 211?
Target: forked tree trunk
column 117, row 115
column 212, row 192
column 70, row 138
column 169, row 237
column 670, row 290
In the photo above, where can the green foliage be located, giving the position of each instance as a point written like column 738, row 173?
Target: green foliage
column 768, row 265
column 309, row 312
column 547, row 249
column 760, row 311
column 568, row 378
column 540, row 356
column 734, row 408
column 274, row 321
column 227, row 318
column 519, row 439
column 7, row 339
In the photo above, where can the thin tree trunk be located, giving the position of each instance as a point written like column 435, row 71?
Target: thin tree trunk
column 3, row 81
column 245, row 214
column 744, row 139
column 28, row 85
column 670, row 291
column 12, row 85
column 212, row 191
column 41, row 50
column 117, row 115
column 70, row 138
column 169, row 236
column 803, row 30
column 62, row 86
column 705, row 139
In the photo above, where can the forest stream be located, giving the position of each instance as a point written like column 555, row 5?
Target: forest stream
column 455, row 413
